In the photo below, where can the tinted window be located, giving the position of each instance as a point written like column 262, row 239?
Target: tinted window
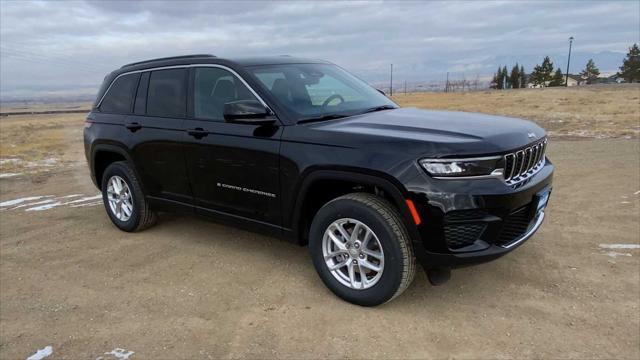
column 213, row 87
column 167, row 96
column 120, row 96
column 141, row 95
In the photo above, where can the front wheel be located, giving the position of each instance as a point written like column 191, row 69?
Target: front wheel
column 361, row 249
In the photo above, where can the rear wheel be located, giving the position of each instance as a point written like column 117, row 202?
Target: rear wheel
column 361, row 249
column 124, row 200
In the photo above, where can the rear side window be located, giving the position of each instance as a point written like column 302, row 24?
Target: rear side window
column 167, row 95
column 141, row 95
column 120, row 96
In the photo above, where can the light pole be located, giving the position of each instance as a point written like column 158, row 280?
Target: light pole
column 566, row 81
column 391, row 82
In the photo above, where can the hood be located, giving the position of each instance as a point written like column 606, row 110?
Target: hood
column 430, row 132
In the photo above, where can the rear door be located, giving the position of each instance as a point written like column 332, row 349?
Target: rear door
column 156, row 134
column 233, row 168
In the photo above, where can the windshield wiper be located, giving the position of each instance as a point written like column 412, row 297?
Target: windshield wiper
column 379, row 108
column 323, row 118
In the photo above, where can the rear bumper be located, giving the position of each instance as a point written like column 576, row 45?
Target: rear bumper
column 476, row 221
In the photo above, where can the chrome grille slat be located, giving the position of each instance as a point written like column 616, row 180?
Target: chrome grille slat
column 509, row 159
column 524, row 163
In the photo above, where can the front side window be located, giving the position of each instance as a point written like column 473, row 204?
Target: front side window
column 315, row 90
column 167, row 95
column 119, row 97
column 214, row 87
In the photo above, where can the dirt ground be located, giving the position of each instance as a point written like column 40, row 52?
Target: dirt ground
column 189, row 288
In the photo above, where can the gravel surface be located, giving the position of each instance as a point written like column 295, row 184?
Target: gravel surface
column 189, row 288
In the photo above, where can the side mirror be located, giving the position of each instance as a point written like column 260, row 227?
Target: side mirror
column 247, row 112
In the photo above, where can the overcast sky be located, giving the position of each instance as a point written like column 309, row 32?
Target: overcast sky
column 66, row 47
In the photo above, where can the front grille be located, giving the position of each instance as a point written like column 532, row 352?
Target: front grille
column 461, row 235
column 522, row 164
column 514, row 226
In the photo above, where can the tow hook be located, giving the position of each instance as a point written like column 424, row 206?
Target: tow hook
column 438, row 276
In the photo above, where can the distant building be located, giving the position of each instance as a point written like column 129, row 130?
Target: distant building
column 613, row 79
column 575, row 80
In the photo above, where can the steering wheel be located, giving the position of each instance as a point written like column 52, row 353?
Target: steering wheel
column 331, row 98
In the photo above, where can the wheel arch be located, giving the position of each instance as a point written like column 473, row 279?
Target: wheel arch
column 102, row 155
column 306, row 205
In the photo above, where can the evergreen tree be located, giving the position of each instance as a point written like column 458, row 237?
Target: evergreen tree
column 523, row 77
column 590, row 72
column 541, row 74
column 558, row 79
column 495, row 83
column 504, row 77
column 514, row 78
column 630, row 69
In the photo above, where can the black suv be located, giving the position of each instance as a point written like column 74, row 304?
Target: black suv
column 304, row 150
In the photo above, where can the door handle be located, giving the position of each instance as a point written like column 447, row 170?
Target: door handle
column 198, row 133
column 133, row 127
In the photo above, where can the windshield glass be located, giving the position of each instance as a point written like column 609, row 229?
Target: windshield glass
column 311, row 91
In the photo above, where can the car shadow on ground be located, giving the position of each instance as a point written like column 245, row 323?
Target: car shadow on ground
column 285, row 256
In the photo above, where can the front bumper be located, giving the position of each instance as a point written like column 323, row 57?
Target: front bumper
column 466, row 222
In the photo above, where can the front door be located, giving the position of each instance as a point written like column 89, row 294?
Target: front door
column 233, row 168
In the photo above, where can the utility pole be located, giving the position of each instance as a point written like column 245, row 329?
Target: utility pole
column 566, row 81
column 405, row 87
column 391, row 82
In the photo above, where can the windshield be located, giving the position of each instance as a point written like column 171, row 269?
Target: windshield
column 316, row 91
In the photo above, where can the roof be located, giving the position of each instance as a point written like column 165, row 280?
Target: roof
column 576, row 77
column 208, row 58
column 182, row 57
column 274, row 60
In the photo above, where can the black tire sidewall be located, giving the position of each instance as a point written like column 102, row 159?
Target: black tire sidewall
column 121, row 169
column 391, row 278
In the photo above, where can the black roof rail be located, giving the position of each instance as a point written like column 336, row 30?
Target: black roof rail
column 168, row 58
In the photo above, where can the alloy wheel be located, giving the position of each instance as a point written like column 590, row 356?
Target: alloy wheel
column 353, row 253
column 120, row 198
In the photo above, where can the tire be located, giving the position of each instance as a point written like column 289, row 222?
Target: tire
column 140, row 215
column 366, row 213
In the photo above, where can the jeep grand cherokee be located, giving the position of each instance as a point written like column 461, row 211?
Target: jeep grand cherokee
column 304, row 150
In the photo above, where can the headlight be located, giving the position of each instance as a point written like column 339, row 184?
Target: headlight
column 477, row 167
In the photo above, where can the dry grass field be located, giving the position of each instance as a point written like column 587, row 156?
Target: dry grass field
column 188, row 288
column 603, row 111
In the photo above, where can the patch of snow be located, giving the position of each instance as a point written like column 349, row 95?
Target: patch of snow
column 9, row 161
column 49, row 201
column 21, row 200
column 8, row 175
column 118, row 353
column 49, row 161
column 614, row 254
column 70, row 196
column 45, row 206
column 32, row 204
column 87, row 204
column 620, row 246
column 41, row 353
column 624, row 202
column 84, row 199
column 637, row 192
